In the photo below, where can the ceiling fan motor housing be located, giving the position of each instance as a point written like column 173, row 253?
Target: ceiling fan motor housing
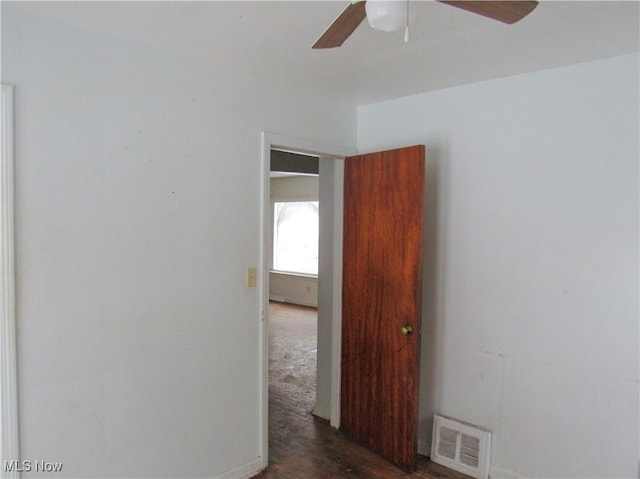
column 388, row 15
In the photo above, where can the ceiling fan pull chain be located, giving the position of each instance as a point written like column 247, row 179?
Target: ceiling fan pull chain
column 406, row 28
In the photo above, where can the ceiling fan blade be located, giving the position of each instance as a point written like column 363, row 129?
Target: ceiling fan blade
column 343, row 26
column 506, row 11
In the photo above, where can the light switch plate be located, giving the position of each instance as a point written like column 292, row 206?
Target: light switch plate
column 251, row 277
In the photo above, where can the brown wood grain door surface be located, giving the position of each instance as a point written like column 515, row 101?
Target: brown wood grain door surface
column 382, row 288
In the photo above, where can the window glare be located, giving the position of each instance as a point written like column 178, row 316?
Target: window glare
column 296, row 226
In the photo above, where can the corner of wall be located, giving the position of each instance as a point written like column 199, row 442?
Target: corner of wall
column 245, row 471
column 424, row 448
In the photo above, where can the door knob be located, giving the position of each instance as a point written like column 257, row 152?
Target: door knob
column 406, row 330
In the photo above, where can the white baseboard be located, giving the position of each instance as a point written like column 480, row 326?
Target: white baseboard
column 244, row 471
column 322, row 410
column 299, row 302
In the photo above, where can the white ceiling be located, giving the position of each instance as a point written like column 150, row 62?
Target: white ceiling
column 448, row 46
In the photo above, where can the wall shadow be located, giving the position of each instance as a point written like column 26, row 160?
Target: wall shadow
column 432, row 294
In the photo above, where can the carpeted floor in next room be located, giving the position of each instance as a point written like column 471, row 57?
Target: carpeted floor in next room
column 301, row 446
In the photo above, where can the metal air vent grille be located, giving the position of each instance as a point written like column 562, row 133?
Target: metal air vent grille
column 461, row 447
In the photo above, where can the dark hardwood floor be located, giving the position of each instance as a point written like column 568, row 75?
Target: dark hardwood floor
column 304, row 447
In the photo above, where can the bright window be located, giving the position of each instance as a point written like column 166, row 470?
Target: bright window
column 295, row 238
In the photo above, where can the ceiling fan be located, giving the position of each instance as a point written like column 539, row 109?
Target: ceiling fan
column 506, row 11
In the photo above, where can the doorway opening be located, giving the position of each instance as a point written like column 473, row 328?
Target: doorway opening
column 328, row 282
column 293, row 243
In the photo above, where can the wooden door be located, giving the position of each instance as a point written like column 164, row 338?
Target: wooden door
column 382, row 288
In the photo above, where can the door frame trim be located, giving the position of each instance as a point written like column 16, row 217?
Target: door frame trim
column 9, row 438
column 325, row 150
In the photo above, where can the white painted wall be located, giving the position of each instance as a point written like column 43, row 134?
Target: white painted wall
column 331, row 181
column 293, row 288
column 531, row 286
column 295, row 188
column 138, row 181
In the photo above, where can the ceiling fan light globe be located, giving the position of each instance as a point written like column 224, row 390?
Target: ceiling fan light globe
column 387, row 15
